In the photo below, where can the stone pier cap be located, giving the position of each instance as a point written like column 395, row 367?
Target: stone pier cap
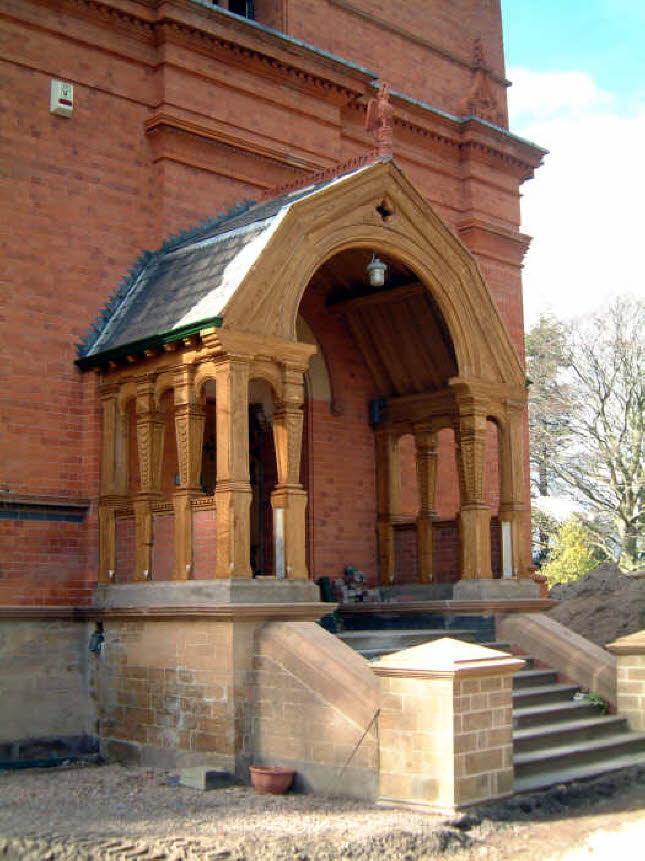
column 447, row 657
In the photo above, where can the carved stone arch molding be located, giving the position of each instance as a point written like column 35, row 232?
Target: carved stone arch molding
column 344, row 215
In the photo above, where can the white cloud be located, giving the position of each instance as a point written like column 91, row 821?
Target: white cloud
column 585, row 206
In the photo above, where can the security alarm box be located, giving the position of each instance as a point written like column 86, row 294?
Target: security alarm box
column 62, row 99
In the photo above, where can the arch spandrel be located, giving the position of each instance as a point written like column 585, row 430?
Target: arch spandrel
column 344, row 216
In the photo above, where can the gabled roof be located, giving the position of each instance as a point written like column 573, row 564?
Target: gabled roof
column 185, row 285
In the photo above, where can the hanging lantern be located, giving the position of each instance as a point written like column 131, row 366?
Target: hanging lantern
column 376, row 270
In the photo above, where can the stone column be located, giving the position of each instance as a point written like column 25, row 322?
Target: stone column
column 512, row 510
column 289, row 499
column 150, row 433
column 388, row 500
column 233, row 491
column 474, row 515
column 427, row 461
column 113, row 479
column 446, row 725
column 189, row 432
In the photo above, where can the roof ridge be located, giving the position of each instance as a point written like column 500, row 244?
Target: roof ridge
column 316, row 177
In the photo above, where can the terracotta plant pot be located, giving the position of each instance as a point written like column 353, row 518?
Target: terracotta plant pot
column 272, row 779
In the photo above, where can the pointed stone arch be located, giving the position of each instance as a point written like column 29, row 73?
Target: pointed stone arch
column 348, row 214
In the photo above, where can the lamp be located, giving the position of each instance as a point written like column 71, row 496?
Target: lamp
column 376, row 270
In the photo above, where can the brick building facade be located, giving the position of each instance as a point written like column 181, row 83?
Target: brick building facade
column 181, row 111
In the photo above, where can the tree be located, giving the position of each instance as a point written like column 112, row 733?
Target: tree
column 546, row 345
column 571, row 555
column 588, row 421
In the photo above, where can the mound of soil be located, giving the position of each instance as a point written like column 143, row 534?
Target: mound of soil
column 603, row 605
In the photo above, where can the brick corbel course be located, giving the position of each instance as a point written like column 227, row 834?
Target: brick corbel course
column 577, row 659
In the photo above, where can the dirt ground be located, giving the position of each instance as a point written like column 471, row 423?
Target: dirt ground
column 116, row 812
column 603, row 605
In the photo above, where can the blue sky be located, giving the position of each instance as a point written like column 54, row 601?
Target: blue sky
column 605, row 38
column 578, row 70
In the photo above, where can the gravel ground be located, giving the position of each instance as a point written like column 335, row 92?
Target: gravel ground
column 116, row 812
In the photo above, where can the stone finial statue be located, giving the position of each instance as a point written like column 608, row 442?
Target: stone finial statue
column 481, row 101
column 379, row 120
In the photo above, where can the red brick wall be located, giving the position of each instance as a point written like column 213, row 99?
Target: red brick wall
column 204, row 544
column 163, row 548
column 342, row 508
column 90, row 192
column 380, row 39
column 125, row 549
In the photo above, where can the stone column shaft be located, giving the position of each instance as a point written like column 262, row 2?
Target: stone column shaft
column 427, row 462
column 512, row 508
column 474, row 515
column 150, row 438
column 388, row 493
column 233, row 490
column 289, row 497
column 190, row 417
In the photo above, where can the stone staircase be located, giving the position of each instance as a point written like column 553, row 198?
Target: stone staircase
column 556, row 738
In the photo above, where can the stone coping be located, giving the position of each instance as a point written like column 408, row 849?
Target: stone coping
column 447, row 658
column 632, row 644
column 198, row 593
column 510, row 605
column 301, row 612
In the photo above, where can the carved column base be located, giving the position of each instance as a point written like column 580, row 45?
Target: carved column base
column 474, row 529
column 107, row 542
column 386, row 550
column 515, row 516
column 292, row 502
column 233, row 501
column 183, row 567
column 425, row 560
column 142, row 505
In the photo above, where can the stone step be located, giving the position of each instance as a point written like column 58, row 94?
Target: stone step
column 530, row 678
column 567, row 732
column 566, row 756
column 388, row 641
column 545, row 715
column 586, row 771
column 544, row 694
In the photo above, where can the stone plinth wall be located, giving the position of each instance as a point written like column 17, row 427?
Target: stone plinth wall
column 173, row 693
column 44, row 690
column 630, row 678
column 315, row 704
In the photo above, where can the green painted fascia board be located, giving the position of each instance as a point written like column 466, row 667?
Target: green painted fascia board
column 102, row 358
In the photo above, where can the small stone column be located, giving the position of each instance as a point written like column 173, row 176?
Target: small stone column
column 233, row 490
column 474, row 515
column 113, row 479
column 512, row 510
column 189, row 433
column 630, row 678
column 150, row 433
column 427, row 461
column 388, row 495
column 289, row 499
column 446, row 725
